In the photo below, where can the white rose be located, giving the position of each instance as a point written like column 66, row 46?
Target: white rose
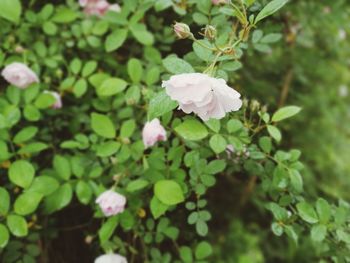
column 205, row 96
column 111, row 258
column 19, row 75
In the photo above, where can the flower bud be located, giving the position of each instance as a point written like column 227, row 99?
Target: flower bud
column 182, row 30
column 219, row 2
column 19, row 49
column 254, row 105
column 153, row 132
column 210, row 32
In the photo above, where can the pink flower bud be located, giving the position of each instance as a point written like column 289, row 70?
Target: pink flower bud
column 58, row 104
column 111, row 258
column 182, row 30
column 218, row 2
column 111, row 203
column 153, row 132
column 19, row 75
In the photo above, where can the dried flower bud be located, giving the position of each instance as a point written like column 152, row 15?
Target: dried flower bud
column 19, row 49
column 245, row 103
column 210, row 32
column 254, row 105
column 182, row 30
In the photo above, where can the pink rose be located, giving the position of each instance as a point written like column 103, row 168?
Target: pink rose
column 58, row 104
column 153, row 132
column 111, row 203
column 111, row 258
column 205, row 96
column 19, row 75
column 98, row 7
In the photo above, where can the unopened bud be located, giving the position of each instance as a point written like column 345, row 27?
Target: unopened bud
column 182, row 30
column 245, row 103
column 219, row 2
column 254, row 105
column 210, row 32
column 19, row 49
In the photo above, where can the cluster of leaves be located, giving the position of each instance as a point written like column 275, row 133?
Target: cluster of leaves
column 108, row 71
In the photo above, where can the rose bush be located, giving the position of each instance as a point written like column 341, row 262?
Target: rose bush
column 129, row 137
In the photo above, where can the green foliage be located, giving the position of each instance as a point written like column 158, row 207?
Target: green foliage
column 207, row 193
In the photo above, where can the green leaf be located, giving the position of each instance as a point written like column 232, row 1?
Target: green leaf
column 192, row 130
column 58, row 199
column 323, row 210
column 89, row 68
column 289, row 230
column 27, row 203
column 135, row 70
column 177, row 65
column 141, row 34
column 168, row 192
column 80, row 88
column 203, row 250
column 234, row 126
column 265, row 144
column 274, row 132
column 307, row 212
column 296, row 180
column 213, row 124
column 201, row 228
column 152, row 75
column 186, row 254
column 62, row 167
column 110, row 87
column 137, row 185
column 285, row 112
column 102, row 125
column 217, row 143
column 4, row 236
column 216, row 166
column 25, row 134
column 202, row 52
column 34, row 147
column 107, row 229
column 44, row 101
column 157, row 207
column 10, row 10
column 116, row 39
column 108, row 148
column 4, row 201
column 44, row 185
column 84, row 192
column 64, row 15
column 127, row 128
column 160, row 104
column 17, row 225
column 318, row 233
column 21, row 173
column 269, row 9
column 277, row 229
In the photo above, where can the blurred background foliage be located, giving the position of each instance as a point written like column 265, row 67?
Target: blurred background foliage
column 309, row 67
